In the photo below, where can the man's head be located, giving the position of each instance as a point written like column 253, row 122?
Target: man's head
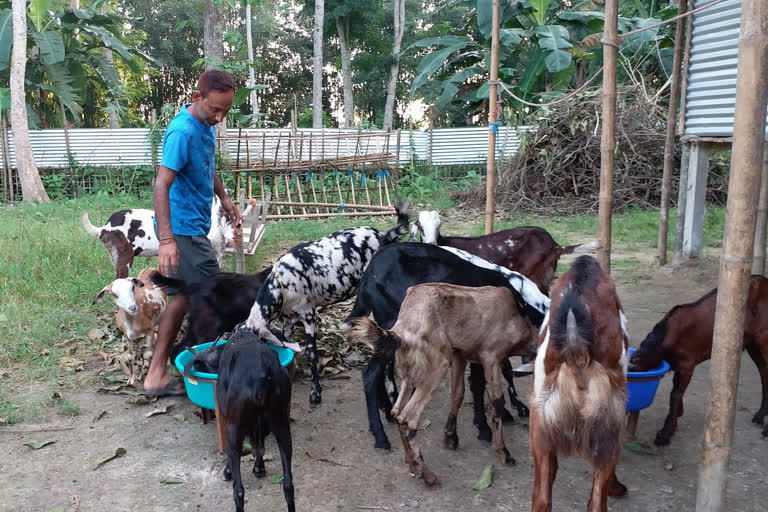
column 214, row 95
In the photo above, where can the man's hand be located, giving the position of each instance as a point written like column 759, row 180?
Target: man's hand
column 168, row 258
column 230, row 210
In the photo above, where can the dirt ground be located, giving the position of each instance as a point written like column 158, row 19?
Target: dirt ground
column 353, row 476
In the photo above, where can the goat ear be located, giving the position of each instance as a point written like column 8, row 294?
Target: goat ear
column 138, row 283
column 100, row 296
column 414, row 233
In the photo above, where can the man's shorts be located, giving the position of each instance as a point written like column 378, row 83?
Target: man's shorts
column 197, row 259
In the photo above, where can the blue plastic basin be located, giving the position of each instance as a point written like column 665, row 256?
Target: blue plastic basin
column 199, row 385
column 641, row 393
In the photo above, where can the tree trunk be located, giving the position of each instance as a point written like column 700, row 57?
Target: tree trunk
column 251, row 75
column 114, row 119
column 31, row 185
column 399, row 27
column 342, row 26
column 213, row 46
column 317, row 66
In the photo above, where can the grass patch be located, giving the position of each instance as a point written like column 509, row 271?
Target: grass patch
column 67, row 407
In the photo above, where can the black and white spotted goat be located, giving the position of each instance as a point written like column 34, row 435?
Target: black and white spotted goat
column 315, row 274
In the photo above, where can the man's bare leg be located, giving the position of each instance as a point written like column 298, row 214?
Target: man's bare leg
column 170, row 323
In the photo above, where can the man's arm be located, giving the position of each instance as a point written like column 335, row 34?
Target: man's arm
column 168, row 254
column 230, row 210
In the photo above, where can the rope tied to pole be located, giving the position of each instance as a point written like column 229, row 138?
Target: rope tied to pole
column 495, row 127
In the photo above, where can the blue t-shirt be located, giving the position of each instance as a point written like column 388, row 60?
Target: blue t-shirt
column 189, row 149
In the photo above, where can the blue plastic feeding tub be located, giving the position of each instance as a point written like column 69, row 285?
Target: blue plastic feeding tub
column 642, row 386
column 199, row 385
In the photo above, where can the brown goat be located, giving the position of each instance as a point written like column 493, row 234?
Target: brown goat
column 139, row 306
column 441, row 324
column 580, row 384
column 529, row 250
column 683, row 338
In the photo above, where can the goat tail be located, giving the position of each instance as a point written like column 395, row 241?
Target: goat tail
column 403, row 220
column 385, row 343
column 587, row 247
column 90, row 228
column 170, row 285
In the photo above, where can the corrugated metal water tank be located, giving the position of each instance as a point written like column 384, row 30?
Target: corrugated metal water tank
column 711, row 88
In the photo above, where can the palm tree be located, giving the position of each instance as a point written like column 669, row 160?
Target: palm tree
column 399, row 27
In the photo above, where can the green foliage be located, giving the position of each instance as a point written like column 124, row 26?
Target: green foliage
column 67, row 407
column 304, row 119
column 6, row 37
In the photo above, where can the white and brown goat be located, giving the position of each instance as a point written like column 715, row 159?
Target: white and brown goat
column 443, row 324
column 580, row 383
column 131, row 233
column 140, row 304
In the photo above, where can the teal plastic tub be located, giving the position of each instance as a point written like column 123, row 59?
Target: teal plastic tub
column 199, row 385
column 642, row 386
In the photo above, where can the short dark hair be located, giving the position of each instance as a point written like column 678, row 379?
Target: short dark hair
column 215, row 80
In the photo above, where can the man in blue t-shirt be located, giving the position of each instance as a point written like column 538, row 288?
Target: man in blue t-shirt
column 183, row 194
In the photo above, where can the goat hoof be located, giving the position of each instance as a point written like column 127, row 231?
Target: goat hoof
column 451, row 441
column 616, row 489
column 506, row 458
column 765, row 431
column 389, row 417
column 383, row 445
column 429, row 477
column 315, row 399
column 758, row 418
column 523, row 411
column 484, row 434
column 260, row 472
column 662, row 438
column 507, row 417
column 227, row 474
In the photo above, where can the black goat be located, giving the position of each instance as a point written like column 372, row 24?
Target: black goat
column 382, row 290
column 254, row 396
column 215, row 305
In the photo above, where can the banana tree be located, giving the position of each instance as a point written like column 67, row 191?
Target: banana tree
column 65, row 51
column 544, row 50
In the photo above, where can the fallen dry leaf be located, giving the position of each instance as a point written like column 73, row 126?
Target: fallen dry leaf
column 118, row 453
column 99, row 416
column 37, row 446
column 320, row 457
column 95, row 334
column 161, row 410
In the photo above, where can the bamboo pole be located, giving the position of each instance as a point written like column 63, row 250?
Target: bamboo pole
column 608, row 140
column 319, row 215
column 758, row 263
column 490, row 198
column 735, row 262
column 288, row 191
column 7, row 171
column 336, row 205
column 669, row 144
column 66, row 139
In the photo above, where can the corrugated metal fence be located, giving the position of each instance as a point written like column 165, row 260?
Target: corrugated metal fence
column 711, row 88
column 131, row 147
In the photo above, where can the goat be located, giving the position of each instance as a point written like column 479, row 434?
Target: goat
column 130, row 233
column 214, row 305
column 381, row 292
column 254, row 397
column 580, row 383
column 440, row 325
column 683, row 338
column 319, row 273
column 139, row 307
column 529, row 250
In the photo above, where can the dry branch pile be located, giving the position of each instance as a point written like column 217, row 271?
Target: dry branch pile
column 557, row 170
